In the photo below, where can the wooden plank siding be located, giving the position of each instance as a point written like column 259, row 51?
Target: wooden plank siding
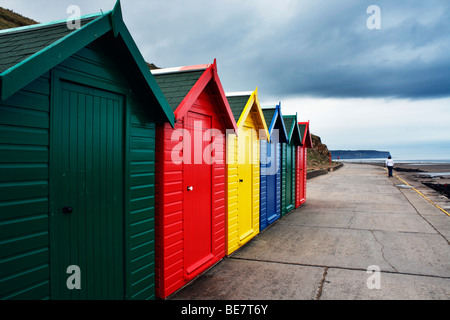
column 293, row 173
column 279, row 178
column 24, row 193
column 170, row 242
column 297, row 175
column 234, row 233
column 24, row 172
column 303, row 155
column 263, row 185
column 270, row 201
column 283, row 177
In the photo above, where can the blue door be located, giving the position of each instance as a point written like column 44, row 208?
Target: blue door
column 263, row 185
column 271, row 180
column 272, row 173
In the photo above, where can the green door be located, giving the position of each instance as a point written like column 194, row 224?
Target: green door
column 289, row 180
column 87, row 205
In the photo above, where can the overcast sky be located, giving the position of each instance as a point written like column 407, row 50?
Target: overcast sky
column 360, row 88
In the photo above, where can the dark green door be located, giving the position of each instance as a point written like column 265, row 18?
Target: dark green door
column 87, row 193
column 289, row 180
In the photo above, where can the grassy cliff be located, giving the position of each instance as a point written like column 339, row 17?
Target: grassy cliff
column 10, row 19
column 319, row 155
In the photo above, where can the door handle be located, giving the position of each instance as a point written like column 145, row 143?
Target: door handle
column 190, row 188
column 241, row 180
column 67, row 210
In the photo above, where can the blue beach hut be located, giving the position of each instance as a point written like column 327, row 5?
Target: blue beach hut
column 270, row 177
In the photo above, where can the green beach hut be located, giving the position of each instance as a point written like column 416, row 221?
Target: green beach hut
column 78, row 109
column 288, row 167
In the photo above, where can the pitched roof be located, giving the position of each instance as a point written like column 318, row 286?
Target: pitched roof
column 275, row 121
column 35, row 49
column 18, row 44
column 288, row 121
column 176, row 86
column 269, row 115
column 244, row 104
column 237, row 104
column 182, row 86
column 302, row 128
column 306, row 134
column 292, row 129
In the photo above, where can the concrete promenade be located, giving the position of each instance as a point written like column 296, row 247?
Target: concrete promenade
column 354, row 218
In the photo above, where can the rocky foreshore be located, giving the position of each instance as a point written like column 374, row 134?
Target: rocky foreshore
column 433, row 175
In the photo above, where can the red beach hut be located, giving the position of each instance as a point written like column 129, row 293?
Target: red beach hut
column 190, row 193
column 300, row 191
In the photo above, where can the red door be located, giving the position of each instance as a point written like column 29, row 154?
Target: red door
column 197, row 197
column 302, row 175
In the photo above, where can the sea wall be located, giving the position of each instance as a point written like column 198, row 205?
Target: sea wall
column 314, row 173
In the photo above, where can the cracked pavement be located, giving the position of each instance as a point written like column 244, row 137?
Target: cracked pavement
column 353, row 218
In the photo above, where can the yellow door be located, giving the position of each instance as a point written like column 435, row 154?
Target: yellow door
column 245, row 183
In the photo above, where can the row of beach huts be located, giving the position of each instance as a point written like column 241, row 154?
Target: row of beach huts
column 117, row 182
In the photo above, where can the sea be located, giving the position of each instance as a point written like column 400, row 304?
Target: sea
column 400, row 160
column 419, row 155
column 443, row 164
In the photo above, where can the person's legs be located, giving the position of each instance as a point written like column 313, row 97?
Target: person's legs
column 390, row 171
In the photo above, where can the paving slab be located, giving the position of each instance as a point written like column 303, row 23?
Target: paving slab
column 260, row 281
column 318, row 246
column 389, row 221
column 415, row 253
column 343, row 284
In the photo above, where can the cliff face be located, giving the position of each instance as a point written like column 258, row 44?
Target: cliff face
column 318, row 155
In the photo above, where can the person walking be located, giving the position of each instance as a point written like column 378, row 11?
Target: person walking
column 390, row 166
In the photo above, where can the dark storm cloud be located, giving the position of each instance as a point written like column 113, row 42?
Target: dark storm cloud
column 291, row 47
column 338, row 56
column 318, row 48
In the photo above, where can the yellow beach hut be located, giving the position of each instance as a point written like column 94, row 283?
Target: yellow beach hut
column 243, row 168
